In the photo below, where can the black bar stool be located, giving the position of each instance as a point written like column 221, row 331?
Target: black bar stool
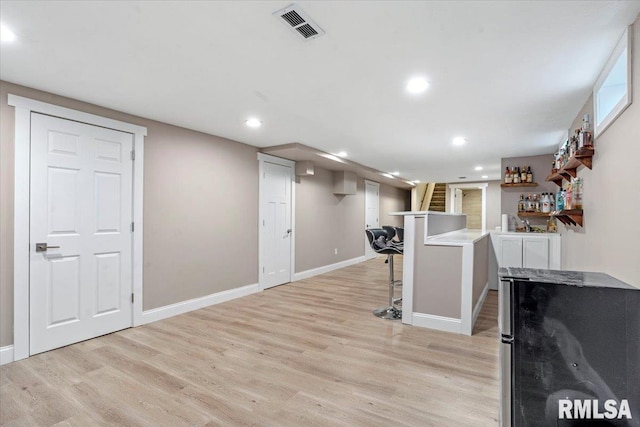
column 382, row 244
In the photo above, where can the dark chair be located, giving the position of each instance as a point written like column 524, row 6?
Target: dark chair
column 400, row 234
column 380, row 243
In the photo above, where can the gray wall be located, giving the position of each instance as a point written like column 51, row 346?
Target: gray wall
column 608, row 242
column 437, row 278
column 480, row 268
column 393, row 199
column 494, row 205
column 188, row 203
column 326, row 222
column 541, row 168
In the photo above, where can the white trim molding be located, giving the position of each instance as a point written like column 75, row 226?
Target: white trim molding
column 182, row 307
column 480, row 303
column 441, row 323
column 6, row 354
column 327, row 268
column 23, row 109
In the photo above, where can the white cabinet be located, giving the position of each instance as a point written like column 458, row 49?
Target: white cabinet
column 510, row 252
column 527, row 250
column 535, row 253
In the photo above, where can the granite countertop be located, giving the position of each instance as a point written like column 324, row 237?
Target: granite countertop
column 565, row 277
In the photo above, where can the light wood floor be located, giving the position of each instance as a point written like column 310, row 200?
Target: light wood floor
column 302, row 354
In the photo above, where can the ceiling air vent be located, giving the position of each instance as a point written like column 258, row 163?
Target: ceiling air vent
column 298, row 20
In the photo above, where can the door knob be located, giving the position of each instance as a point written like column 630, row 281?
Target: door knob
column 42, row 247
column 288, row 231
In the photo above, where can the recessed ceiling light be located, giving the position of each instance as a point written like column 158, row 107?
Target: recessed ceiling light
column 417, row 181
column 417, row 85
column 485, row 176
column 478, row 168
column 387, row 175
column 459, row 140
column 6, row 35
column 342, row 154
column 253, row 122
column 396, row 173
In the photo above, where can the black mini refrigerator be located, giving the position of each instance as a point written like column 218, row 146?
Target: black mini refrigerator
column 569, row 349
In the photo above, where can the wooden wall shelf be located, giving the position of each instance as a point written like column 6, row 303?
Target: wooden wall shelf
column 523, row 184
column 533, row 214
column 569, row 217
column 583, row 157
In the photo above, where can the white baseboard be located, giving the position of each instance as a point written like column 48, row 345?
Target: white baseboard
column 167, row 311
column 478, row 307
column 441, row 323
column 327, row 268
column 6, row 354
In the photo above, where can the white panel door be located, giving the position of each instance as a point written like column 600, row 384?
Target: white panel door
column 510, row 251
column 372, row 212
column 81, row 207
column 276, row 227
column 535, row 253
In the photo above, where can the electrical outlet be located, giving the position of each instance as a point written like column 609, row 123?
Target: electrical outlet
column 335, row 251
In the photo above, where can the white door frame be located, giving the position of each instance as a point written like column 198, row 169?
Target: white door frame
column 22, row 138
column 368, row 252
column 261, row 214
column 470, row 186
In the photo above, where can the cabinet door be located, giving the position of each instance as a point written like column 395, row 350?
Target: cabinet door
column 510, row 251
column 535, row 253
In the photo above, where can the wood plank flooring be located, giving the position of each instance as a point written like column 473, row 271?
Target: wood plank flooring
column 307, row 353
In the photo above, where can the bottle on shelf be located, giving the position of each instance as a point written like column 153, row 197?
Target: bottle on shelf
column 577, row 193
column 586, row 136
column 521, row 203
column 507, row 176
column 546, row 203
column 516, row 175
column 523, row 174
column 560, row 200
column 529, row 175
column 568, row 197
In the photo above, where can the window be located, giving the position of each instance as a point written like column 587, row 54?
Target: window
column 612, row 91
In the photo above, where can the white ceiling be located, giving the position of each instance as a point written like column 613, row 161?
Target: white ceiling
column 508, row 75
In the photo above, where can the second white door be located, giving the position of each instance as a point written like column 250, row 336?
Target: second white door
column 372, row 212
column 276, row 234
column 80, row 236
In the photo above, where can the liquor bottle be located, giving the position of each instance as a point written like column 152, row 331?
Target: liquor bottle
column 586, row 131
column 523, row 174
column 521, row 203
column 507, row 176
column 529, row 175
column 577, row 193
column 516, row 175
column 568, row 197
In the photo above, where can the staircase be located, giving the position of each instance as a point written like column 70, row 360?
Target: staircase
column 438, row 198
column 432, row 197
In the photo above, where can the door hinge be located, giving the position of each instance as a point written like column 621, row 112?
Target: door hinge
column 263, row 269
column 133, row 227
column 133, row 154
column 132, row 298
column 263, row 224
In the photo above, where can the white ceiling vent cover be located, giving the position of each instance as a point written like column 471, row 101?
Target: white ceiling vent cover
column 296, row 19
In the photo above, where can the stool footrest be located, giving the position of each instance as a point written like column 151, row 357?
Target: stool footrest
column 388, row 313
